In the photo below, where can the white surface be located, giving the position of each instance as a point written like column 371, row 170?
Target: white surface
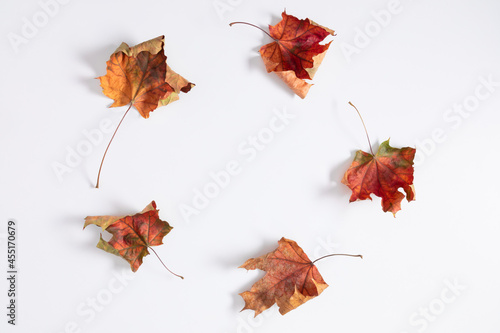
column 429, row 57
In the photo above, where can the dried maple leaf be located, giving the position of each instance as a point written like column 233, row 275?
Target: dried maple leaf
column 291, row 279
column 382, row 174
column 133, row 235
column 139, row 76
column 296, row 52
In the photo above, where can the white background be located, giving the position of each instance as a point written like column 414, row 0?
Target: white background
column 404, row 80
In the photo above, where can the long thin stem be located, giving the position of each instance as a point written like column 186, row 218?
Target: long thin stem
column 339, row 254
column 164, row 264
column 105, row 152
column 359, row 114
column 253, row 25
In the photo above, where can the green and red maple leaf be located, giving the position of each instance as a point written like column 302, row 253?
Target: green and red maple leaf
column 382, row 174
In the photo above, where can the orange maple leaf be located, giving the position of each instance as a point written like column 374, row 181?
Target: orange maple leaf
column 296, row 52
column 139, row 76
column 133, row 235
column 382, row 174
column 291, row 279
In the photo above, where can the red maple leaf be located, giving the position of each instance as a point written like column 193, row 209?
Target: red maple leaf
column 382, row 174
column 296, row 43
column 133, row 235
column 296, row 52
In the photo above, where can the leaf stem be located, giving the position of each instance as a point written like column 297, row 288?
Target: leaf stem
column 163, row 263
column 359, row 114
column 252, row 25
column 339, row 254
column 105, row 152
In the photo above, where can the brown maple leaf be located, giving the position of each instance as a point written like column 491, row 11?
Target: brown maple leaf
column 133, row 235
column 296, row 52
column 139, row 76
column 382, row 174
column 291, row 279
